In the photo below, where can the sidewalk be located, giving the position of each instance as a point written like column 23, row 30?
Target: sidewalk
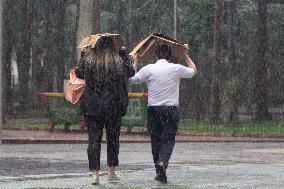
column 193, row 165
column 12, row 136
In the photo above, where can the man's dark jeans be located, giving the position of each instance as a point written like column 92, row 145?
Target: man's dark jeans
column 163, row 123
column 95, row 125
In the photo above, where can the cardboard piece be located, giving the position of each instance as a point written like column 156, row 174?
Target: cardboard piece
column 146, row 48
column 90, row 41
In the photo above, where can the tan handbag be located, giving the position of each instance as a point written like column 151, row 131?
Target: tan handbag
column 75, row 88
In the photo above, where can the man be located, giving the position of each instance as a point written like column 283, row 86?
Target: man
column 162, row 79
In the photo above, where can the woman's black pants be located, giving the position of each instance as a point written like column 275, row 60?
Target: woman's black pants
column 163, row 123
column 95, row 125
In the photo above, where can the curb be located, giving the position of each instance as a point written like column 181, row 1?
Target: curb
column 31, row 141
column 146, row 140
column 72, row 130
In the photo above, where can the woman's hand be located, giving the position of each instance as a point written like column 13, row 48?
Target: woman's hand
column 134, row 59
column 123, row 48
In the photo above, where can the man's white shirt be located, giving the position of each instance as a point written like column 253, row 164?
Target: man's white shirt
column 162, row 79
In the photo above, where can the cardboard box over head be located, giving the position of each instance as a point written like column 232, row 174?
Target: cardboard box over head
column 91, row 41
column 146, row 48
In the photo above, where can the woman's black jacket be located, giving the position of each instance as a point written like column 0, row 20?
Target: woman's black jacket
column 107, row 97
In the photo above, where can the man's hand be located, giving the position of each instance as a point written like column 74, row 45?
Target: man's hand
column 185, row 50
column 187, row 60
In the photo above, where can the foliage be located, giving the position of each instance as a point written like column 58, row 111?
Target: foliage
column 196, row 22
column 275, row 53
column 235, row 88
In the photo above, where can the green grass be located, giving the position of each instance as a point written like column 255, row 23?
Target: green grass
column 260, row 129
column 26, row 124
column 41, row 111
column 201, row 128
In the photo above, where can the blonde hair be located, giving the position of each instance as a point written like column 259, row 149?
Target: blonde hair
column 105, row 61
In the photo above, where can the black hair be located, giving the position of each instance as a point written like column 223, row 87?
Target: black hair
column 104, row 59
column 105, row 43
column 163, row 52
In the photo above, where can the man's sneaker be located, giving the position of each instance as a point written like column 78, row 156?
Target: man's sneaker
column 113, row 178
column 95, row 181
column 157, row 176
column 162, row 176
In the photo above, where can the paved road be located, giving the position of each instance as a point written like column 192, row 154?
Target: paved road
column 193, row 165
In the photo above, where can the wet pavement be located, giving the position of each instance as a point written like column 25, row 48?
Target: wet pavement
column 193, row 165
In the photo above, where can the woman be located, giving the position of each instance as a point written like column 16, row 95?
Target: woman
column 106, row 71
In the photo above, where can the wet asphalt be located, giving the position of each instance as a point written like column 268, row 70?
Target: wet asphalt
column 193, row 165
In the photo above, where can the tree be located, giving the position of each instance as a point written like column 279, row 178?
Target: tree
column 86, row 21
column 175, row 19
column 196, row 29
column 6, row 56
column 60, row 45
column 35, row 67
column 133, row 25
column 216, row 84
column 76, row 27
column 275, row 53
column 1, row 32
column 233, row 81
column 117, row 16
column 48, row 42
column 261, row 77
column 71, row 25
column 23, row 52
column 96, row 16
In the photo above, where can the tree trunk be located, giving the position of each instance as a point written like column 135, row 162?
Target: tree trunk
column 60, row 44
column 74, row 50
column 261, row 62
column 130, row 40
column 216, row 85
column 86, row 21
column 231, row 7
column 7, row 38
column 37, row 52
column 48, row 62
column 23, row 53
column 233, row 107
column 249, row 71
column 1, row 63
column 198, row 103
column 175, row 18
